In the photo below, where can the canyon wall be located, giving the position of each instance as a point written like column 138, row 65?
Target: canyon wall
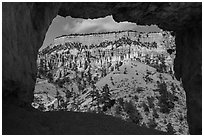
column 24, row 27
column 88, row 39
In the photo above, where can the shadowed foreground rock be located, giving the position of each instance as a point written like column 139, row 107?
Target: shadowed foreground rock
column 24, row 27
column 21, row 121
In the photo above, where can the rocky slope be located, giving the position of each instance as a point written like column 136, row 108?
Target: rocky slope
column 141, row 85
column 105, row 51
column 136, row 84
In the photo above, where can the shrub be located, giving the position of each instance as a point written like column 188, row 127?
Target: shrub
column 170, row 129
column 129, row 107
column 50, row 77
column 135, row 117
column 136, row 98
column 41, row 107
column 155, row 114
column 60, row 83
column 125, row 71
column 68, row 94
column 132, row 112
column 164, row 109
column 139, row 89
column 166, row 98
column 152, row 123
column 41, row 72
column 118, row 110
column 150, row 101
column 121, row 102
column 146, row 108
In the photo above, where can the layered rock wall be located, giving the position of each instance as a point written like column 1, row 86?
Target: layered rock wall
column 95, row 38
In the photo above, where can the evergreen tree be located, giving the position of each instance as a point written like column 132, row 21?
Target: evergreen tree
column 50, row 77
column 132, row 112
column 125, row 71
column 42, row 70
column 59, row 83
column 89, row 75
column 95, row 96
column 68, row 95
column 166, row 98
column 60, row 74
column 105, row 97
column 58, row 99
column 106, row 92
column 85, row 64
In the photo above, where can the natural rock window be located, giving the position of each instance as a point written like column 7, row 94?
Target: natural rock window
column 126, row 73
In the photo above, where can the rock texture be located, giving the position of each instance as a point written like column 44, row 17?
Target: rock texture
column 25, row 25
column 188, row 67
column 24, row 28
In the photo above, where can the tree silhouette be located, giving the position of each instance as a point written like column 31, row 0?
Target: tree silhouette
column 58, row 99
column 95, row 95
column 105, row 97
column 50, row 77
column 125, row 71
column 166, row 98
column 132, row 112
column 42, row 69
column 68, row 95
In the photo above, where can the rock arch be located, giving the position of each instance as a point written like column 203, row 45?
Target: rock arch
column 24, row 27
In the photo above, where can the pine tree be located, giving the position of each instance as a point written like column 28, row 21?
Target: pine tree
column 132, row 112
column 58, row 99
column 50, row 77
column 106, row 92
column 42, row 68
column 95, row 96
column 125, row 71
column 105, row 97
column 68, row 95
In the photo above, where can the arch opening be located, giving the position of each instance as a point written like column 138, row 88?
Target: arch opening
column 75, row 69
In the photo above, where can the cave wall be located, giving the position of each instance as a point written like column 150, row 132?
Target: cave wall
column 188, row 65
column 24, row 26
column 23, row 32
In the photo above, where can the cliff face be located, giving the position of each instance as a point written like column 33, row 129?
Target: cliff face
column 25, row 25
column 102, row 53
column 97, row 38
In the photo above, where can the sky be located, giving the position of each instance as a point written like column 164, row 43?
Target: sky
column 65, row 26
